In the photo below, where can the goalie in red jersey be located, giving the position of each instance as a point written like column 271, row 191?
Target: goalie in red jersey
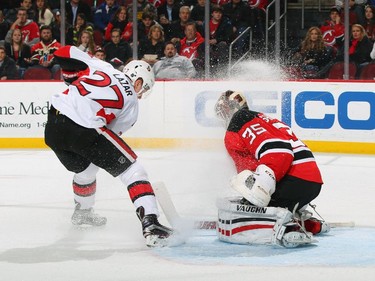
column 277, row 173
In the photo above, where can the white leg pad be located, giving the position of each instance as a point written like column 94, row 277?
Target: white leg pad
column 248, row 224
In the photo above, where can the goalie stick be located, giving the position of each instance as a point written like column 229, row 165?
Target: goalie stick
column 170, row 212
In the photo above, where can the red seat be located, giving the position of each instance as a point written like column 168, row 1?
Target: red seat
column 337, row 71
column 368, row 72
column 37, row 73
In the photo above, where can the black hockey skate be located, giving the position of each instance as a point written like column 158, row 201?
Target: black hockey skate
column 156, row 234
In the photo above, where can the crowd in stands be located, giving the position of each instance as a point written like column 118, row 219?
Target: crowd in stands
column 323, row 45
column 170, row 35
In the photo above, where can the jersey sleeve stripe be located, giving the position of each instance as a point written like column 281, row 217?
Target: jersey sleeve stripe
column 273, row 146
column 304, row 154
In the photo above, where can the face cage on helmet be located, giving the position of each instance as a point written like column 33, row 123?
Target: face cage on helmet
column 225, row 109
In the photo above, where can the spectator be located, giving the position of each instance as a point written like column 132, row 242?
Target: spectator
column 29, row 29
column 221, row 33
column 144, row 26
column 118, row 52
column 173, row 66
column 86, row 42
column 8, row 68
column 11, row 15
column 4, row 26
column 168, row 12
column 175, row 31
column 198, row 12
column 360, row 46
column 192, row 46
column 313, row 55
column 333, row 30
column 356, row 13
column 120, row 21
column 43, row 14
column 151, row 49
column 143, row 6
column 372, row 54
column 74, row 31
column 18, row 51
column 56, row 25
column 99, row 53
column 42, row 52
column 370, row 22
column 239, row 16
column 104, row 14
column 76, row 7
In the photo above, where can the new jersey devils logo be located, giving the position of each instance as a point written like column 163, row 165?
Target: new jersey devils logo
column 329, row 37
column 189, row 52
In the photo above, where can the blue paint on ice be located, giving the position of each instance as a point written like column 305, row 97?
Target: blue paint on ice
column 340, row 247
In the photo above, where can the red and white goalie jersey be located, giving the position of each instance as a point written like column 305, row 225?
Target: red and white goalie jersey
column 253, row 138
column 101, row 96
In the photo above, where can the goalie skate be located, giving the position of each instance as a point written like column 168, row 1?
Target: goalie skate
column 87, row 216
column 294, row 239
column 311, row 224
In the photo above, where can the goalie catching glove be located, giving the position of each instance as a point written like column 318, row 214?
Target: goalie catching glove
column 257, row 187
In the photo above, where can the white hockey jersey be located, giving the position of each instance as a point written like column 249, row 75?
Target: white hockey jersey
column 101, row 96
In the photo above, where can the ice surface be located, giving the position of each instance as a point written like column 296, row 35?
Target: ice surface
column 38, row 242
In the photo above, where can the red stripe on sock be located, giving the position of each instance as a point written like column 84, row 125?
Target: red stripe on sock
column 137, row 190
column 84, row 190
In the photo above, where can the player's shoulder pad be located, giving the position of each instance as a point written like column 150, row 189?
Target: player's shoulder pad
column 240, row 118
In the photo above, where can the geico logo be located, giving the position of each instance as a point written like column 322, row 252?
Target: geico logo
column 322, row 110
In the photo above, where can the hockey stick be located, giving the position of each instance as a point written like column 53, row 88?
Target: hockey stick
column 176, row 221
column 184, row 226
column 209, row 225
column 165, row 202
column 170, row 212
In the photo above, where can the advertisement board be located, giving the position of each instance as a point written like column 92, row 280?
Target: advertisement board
column 330, row 116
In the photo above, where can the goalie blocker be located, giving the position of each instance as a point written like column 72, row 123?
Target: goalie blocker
column 248, row 224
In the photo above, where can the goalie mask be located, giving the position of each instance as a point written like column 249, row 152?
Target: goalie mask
column 228, row 104
column 140, row 69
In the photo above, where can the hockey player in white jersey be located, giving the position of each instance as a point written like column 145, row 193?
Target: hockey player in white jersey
column 84, row 126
